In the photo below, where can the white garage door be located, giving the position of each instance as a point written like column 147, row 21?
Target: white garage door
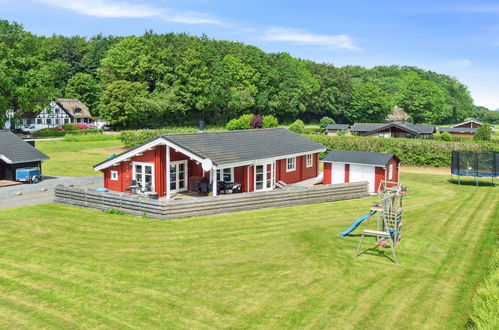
column 338, row 173
column 362, row 173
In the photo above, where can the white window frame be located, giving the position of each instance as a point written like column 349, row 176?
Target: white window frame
column 265, row 178
column 293, row 168
column 114, row 176
column 390, row 172
column 186, row 172
column 220, row 173
column 310, row 160
column 134, row 175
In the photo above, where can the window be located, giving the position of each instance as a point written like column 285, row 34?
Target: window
column 390, row 172
column 57, row 121
column 78, row 110
column 39, row 121
column 226, row 174
column 66, row 120
column 310, row 160
column 143, row 173
column 114, row 175
column 49, row 121
column 291, row 164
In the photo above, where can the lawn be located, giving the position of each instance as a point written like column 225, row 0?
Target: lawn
column 64, row 267
column 76, row 158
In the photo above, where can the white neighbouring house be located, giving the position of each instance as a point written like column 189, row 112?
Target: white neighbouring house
column 62, row 111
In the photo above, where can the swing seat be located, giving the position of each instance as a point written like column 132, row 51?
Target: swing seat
column 368, row 232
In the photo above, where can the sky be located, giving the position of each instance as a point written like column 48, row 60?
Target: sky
column 459, row 38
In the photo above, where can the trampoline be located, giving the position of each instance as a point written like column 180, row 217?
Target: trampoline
column 475, row 164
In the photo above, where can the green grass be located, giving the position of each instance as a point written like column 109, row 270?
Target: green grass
column 65, row 267
column 77, row 158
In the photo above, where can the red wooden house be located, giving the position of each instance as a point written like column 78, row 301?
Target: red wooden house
column 466, row 129
column 341, row 166
column 255, row 159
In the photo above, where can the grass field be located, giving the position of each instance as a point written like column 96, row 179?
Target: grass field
column 76, row 158
column 64, row 267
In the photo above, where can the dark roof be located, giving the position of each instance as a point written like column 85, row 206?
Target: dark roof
column 358, row 157
column 367, row 127
column 238, row 146
column 13, row 150
column 458, row 129
column 337, row 126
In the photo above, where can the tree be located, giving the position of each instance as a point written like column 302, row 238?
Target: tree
column 325, row 121
column 122, row 104
column 85, row 88
column 484, row 133
column 422, row 99
column 27, row 78
column 369, row 103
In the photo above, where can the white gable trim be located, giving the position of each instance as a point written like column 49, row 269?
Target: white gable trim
column 134, row 152
column 468, row 121
column 364, row 164
column 5, row 159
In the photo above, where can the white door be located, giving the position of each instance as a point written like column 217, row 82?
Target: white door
column 264, row 177
column 362, row 173
column 178, row 176
column 338, row 173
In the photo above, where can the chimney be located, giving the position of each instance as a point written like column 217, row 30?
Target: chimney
column 201, row 125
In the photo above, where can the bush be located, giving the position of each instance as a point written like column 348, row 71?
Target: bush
column 484, row 133
column 445, row 136
column 414, row 152
column 132, row 138
column 243, row 122
column 256, row 122
column 52, row 132
column 69, row 127
column 270, row 121
column 81, row 126
column 313, row 130
column 325, row 121
column 485, row 314
column 114, row 211
column 298, row 126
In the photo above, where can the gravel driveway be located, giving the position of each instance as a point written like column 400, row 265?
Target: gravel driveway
column 43, row 192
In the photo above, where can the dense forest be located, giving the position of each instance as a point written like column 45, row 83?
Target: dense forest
column 157, row 80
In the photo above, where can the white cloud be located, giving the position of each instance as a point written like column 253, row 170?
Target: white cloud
column 303, row 37
column 121, row 9
column 461, row 63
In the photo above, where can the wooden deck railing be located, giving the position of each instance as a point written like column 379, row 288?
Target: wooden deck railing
column 198, row 206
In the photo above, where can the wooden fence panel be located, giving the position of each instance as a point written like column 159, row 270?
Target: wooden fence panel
column 198, row 206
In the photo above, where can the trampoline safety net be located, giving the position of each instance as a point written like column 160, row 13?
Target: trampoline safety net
column 477, row 164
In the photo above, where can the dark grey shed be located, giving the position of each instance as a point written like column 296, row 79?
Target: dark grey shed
column 16, row 153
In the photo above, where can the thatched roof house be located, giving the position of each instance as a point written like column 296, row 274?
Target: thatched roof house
column 74, row 107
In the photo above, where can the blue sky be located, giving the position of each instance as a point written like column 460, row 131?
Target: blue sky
column 460, row 38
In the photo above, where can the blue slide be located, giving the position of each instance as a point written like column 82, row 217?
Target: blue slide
column 356, row 224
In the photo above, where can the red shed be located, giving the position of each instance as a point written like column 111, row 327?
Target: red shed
column 341, row 166
column 254, row 159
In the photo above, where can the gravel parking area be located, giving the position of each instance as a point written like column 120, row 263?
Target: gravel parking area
column 43, row 192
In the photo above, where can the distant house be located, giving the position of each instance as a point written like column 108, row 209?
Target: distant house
column 467, row 128
column 338, row 129
column 342, row 166
column 16, row 153
column 397, row 116
column 62, row 111
column 396, row 130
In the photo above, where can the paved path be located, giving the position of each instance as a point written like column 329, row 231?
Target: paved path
column 34, row 194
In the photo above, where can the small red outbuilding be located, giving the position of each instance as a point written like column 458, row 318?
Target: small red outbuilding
column 341, row 166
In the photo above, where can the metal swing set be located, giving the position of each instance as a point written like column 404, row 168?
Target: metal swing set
column 389, row 209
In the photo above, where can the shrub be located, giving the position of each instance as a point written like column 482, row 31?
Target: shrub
column 312, row 130
column 243, row 122
column 90, row 137
column 69, row 127
column 485, row 314
column 270, row 121
column 256, row 122
column 114, row 211
column 298, row 126
column 484, row 133
column 80, row 126
column 445, row 136
column 414, row 152
column 50, row 132
column 325, row 121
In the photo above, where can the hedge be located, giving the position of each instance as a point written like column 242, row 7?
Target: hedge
column 414, row 152
column 485, row 306
column 59, row 133
column 132, row 138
